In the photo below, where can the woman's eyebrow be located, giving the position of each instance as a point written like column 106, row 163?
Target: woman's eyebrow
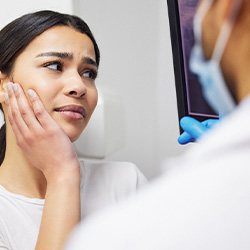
column 57, row 54
column 89, row 60
column 66, row 55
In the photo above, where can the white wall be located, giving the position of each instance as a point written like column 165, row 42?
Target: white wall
column 136, row 65
column 136, row 68
column 12, row 9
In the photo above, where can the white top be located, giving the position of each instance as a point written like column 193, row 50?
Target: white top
column 102, row 184
column 202, row 201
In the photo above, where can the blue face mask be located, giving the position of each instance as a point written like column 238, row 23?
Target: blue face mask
column 209, row 72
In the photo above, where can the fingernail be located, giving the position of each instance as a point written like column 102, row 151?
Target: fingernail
column 9, row 86
column 31, row 92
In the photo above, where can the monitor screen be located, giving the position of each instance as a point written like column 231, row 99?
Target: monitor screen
column 189, row 96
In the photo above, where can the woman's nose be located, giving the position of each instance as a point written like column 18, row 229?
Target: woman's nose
column 75, row 87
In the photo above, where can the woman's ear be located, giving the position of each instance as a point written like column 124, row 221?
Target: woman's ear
column 3, row 81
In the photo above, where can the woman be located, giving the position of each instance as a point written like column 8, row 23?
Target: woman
column 48, row 66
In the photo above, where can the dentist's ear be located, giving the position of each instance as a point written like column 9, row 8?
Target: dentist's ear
column 224, row 9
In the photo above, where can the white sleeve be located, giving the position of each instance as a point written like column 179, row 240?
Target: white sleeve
column 3, row 244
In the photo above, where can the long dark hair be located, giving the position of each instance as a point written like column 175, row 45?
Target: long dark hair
column 16, row 36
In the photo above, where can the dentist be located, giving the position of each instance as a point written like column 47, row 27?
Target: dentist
column 203, row 199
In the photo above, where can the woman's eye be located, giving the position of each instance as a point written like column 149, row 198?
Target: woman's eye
column 56, row 66
column 90, row 74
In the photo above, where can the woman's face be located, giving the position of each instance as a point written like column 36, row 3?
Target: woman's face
column 60, row 66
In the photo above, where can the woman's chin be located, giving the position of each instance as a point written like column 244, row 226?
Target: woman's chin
column 73, row 139
column 72, row 132
column 73, row 136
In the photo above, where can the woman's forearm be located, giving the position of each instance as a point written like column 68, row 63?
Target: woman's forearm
column 61, row 212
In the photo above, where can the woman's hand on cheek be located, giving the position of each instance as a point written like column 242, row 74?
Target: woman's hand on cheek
column 43, row 142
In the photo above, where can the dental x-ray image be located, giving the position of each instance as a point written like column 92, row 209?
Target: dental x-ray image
column 189, row 96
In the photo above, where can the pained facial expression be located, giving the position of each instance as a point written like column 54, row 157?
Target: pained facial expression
column 60, row 66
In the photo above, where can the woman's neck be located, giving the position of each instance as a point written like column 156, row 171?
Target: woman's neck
column 18, row 176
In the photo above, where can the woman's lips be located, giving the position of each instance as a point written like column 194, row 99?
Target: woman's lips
column 72, row 111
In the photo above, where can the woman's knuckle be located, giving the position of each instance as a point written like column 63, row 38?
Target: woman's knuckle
column 23, row 112
column 10, row 120
column 29, row 139
column 14, row 112
column 38, row 112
